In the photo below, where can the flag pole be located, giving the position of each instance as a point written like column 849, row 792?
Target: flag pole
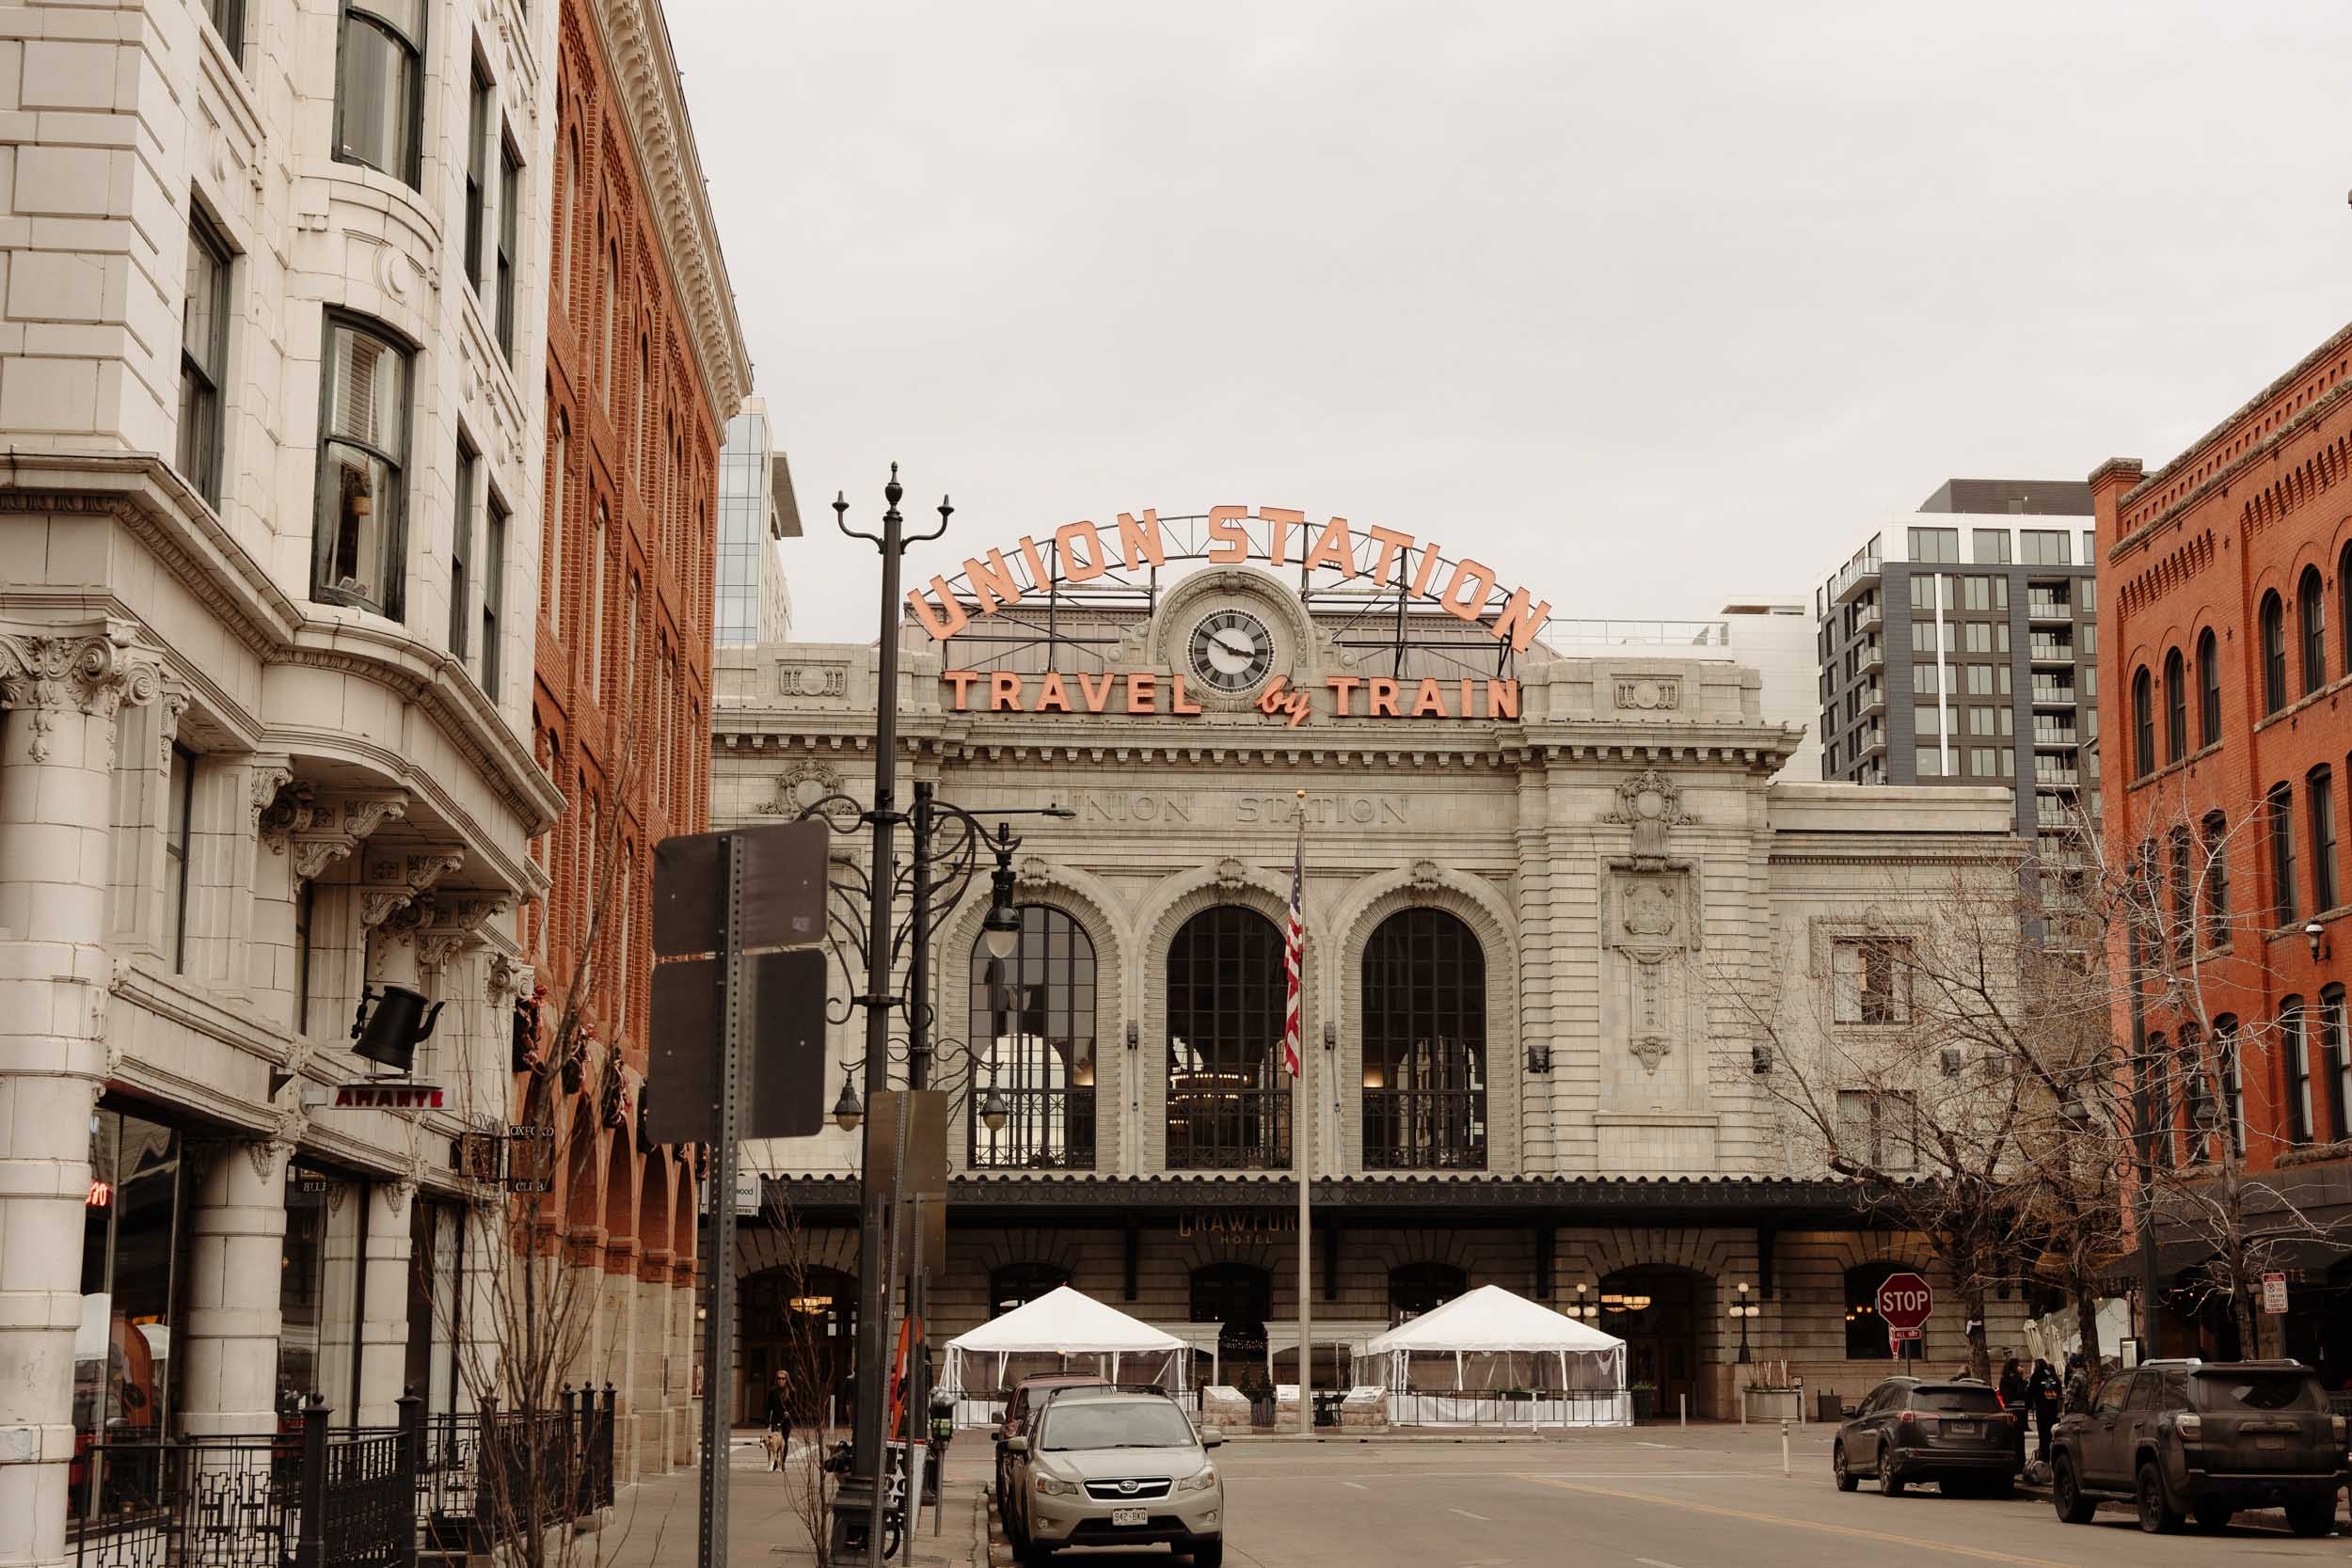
column 1302, row 1119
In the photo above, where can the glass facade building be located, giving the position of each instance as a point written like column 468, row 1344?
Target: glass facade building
column 756, row 509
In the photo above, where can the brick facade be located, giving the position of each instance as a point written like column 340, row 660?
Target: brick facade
column 2247, row 515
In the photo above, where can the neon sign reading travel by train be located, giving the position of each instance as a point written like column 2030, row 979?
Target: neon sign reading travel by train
column 1084, row 552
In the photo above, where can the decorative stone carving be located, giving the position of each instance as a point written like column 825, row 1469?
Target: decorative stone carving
column 364, row 813
column 268, row 779
column 1651, row 805
column 1650, row 931
column 1649, row 693
column 93, row 673
column 397, row 1193
column 1231, row 875
column 379, row 904
column 451, row 926
column 267, row 1155
column 313, row 855
column 802, row 785
column 169, row 706
column 506, row 980
column 1425, row 875
column 292, row 809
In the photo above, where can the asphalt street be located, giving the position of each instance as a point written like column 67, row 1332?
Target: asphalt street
column 1656, row 1498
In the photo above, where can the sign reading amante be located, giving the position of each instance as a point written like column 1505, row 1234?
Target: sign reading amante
column 1139, row 692
column 1385, row 556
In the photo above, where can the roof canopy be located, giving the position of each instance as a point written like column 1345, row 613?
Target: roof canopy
column 1492, row 1319
column 1062, row 1320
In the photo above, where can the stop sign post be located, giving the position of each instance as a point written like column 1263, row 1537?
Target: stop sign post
column 1905, row 1302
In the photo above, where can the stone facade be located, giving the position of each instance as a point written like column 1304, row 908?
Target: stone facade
column 271, row 373
column 1618, row 854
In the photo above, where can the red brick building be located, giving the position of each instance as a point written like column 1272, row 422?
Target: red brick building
column 2225, row 590
column 645, row 362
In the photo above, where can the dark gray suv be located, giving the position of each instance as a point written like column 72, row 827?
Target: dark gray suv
column 2202, row 1439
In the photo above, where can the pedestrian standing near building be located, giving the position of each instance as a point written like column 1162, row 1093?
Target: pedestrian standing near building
column 2077, row 1384
column 2013, row 1389
column 2041, row 1392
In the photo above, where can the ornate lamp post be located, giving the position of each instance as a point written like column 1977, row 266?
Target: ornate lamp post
column 1744, row 1306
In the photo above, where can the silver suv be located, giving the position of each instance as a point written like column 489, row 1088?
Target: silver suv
column 1106, row 1468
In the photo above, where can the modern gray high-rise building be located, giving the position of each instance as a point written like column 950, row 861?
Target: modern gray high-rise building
column 1959, row 643
column 756, row 509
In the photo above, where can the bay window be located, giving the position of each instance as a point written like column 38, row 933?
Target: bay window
column 379, row 87
column 359, row 549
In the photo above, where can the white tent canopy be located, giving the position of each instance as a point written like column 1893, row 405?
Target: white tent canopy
column 1491, row 1319
column 1547, row 1369
column 1063, row 1331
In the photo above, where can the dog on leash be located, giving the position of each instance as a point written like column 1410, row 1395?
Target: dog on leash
column 774, row 1443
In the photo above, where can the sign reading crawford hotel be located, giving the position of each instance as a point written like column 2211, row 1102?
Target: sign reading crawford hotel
column 1234, row 652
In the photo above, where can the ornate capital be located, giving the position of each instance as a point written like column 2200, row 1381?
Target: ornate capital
column 377, row 905
column 508, row 980
column 270, row 776
column 363, row 814
column 292, row 809
column 93, row 673
column 314, row 852
column 451, row 926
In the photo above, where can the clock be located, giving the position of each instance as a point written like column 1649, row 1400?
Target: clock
column 1231, row 650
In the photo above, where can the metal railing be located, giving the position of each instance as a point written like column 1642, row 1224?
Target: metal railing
column 1044, row 1129
column 1425, row 1128
column 308, row 1497
column 1228, row 1129
column 485, row 1475
column 1519, row 1408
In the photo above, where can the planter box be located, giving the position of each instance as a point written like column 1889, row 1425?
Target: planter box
column 1766, row 1405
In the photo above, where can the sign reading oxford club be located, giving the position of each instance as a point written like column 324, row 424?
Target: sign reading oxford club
column 1091, row 596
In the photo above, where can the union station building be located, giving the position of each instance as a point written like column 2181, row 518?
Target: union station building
column 1534, row 885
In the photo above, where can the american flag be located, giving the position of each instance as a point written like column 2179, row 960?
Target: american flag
column 1294, row 941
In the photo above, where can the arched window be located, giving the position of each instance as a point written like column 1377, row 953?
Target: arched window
column 559, row 469
column 1228, row 1096
column 2274, row 634
column 2208, row 690
column 1032, row 1027
column 2200, row 1107
column 379, row 98
column 2143, row 725
column 2311, row 609
column 1866, row 1331
column 2295, row 1048
column 2319, row 805
column 2279, row 805
column 567, row 218
column 2161, row 1146
column 596, row 574
column 1016, row 1285
column 1231, row 1293
column 1424, row 1037
column 2175, row 707
column 2233, row 1084
column 607, row 308
column 1418, row 1288
column 2336, row 1051
column 2343, row 604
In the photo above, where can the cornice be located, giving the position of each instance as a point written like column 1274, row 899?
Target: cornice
column 636, row 44
column 1762, row 1195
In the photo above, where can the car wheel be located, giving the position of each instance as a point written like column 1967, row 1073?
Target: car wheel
column 1890, row 1484
column 2313, row 1515
column 1209, row 1553
column 1036, row 1554
column 1847, row 1479
column 2157, row 1515
column 2066, row 1493
column 2214, row 1516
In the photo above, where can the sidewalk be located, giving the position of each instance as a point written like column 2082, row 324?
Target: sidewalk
column 656, row 1523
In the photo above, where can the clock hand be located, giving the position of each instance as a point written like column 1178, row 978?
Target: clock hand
column 1234, row 642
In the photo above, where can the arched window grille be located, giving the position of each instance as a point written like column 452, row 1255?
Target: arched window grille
column 2175, row 707
column 2274, row 635
column 1016, row 1285
column 1032, row 1034
column 1229, row 1100
column 2311, row 612
column 1231, row 1293
column 1418, row 1288
column 1424, row 1037
column 2208, row 690
column 2143, row 725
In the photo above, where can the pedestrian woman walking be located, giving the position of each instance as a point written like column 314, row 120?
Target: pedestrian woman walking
column 778, row 1417
column 2013, row 1399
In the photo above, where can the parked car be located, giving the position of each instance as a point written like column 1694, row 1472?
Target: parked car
column 1029, row 1395
column 2202, row 1439
column 1114, row 1469
column 1907, row 1429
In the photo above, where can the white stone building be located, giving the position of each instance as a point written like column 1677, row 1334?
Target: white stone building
column 272, row 333
column 1527, row 878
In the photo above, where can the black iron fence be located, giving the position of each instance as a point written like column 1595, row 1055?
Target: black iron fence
column 1425, row 1128
column 1044, row 1129
column 1511, row 1408
column 312, row 1496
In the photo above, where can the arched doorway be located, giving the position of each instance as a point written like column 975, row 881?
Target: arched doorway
column 1659, row 1313
column 1418, row 1288
column 804, row 1324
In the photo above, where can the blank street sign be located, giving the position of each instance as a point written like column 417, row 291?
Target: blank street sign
column 784, row 1048
column 784, row 888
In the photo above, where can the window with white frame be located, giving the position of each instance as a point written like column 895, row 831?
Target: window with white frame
column 1877, row 1129
column 359, row 551
column 379, row 89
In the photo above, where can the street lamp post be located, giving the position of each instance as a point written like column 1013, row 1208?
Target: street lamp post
column 1743, row 1307
column 861, row 1493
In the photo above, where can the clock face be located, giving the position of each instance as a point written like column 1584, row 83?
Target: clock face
column 1231, row 650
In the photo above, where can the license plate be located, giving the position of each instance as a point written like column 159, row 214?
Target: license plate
column 1131, row 1515
column 1961, row 1429
column 2270, row 1442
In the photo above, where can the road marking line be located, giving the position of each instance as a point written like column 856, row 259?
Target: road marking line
column 1641, row 1444
column 1912, row 1542
column 1356, row 1485
column 1467, row 1515
column 1653, row 1562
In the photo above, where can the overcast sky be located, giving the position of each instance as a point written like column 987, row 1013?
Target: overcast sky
column 1648, row 305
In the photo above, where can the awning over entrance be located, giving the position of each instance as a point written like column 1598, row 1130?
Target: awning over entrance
column 2301, row 1259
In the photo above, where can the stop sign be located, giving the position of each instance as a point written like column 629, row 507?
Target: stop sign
column 1905, row 1301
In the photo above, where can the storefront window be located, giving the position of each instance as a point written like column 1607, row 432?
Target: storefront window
column 122, row 1386
column 437, row 1253
column 318, row 1295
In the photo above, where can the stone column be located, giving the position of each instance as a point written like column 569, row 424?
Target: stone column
column 224, row 825
column 272, row 962
column 648, row 1393
column 685, row 1334
column 228, row 1338
column 384, row 1319
column 61, row 694
column 616, row 1332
